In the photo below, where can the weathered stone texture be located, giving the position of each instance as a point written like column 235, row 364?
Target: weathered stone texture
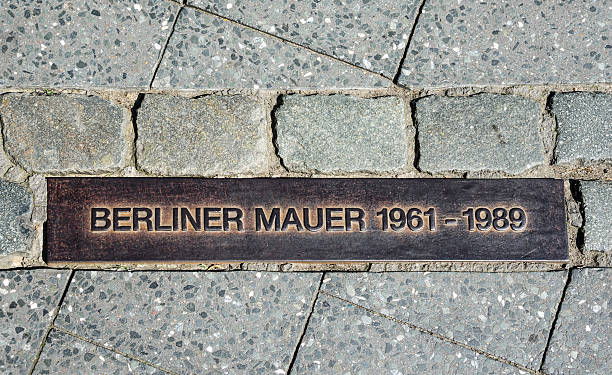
column 65, row 133
column 205, row 136
column 597, row 197
column 480, row 132
column 581, row 342
column 584, row 126
column 15, row 209
column 341, row 133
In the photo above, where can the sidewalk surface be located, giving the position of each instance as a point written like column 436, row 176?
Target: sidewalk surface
column 347, row 88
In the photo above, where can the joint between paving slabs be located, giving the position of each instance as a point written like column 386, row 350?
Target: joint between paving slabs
column 398, row 71
column 554, row 322
column 436, row 335
column 55, row 313
column 163, row 51
column 312, row 307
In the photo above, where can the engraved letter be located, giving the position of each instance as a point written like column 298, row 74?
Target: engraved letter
column 104, row 218
column 319, row 225
column 260, row 218
column 208, row 219
column 196, row 222
column 136, row 218
column 158, row 225
column 237, row 218
column 117, row 219
column 291, row 218
column 348, row 219
column 329, row 226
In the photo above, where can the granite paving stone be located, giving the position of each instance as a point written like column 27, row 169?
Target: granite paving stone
column 91, row 43
column 205, row 136
column 370, row 34
column 344, row 339
column 497, row 42
column 584, row 126
column 15, row 210
column 193, row 322
column 341, row 133
column 481, row 132
column 581, row 342
column 597, row 199
column 65, row 133
column 64, row 354
column 509, row 315
column 208, row 52
column 27, row 302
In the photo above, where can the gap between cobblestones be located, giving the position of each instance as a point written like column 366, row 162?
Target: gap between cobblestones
column 312, row 307
column 436, row 335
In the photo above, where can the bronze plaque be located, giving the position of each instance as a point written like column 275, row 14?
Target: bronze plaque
column 304, row 220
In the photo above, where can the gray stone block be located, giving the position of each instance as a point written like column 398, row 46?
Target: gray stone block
column 65, row 133
column 481, row 132
column 509, row 315
column 581, row 343
column 64, row 354
column 341, row 133
column 206, row 136
column 91, row 43
column 27, row 302
column 584, row 126
column 194, row 322
column 15, row 210
column 211, row 53
column 370, row 34
column 344, row 339
column 499, row 43
column 597, row 199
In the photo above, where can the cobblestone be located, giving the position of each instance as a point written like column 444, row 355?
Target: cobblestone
column 480, row 132
column 597, row 197
column 15, row 226
column 341, row 133
column 205, row 136
column 65, row 133
column 584, row 128
column 92, row 43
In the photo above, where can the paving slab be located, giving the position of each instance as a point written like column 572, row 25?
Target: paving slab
column 370, row 34
column 581, row 342
column 64, row 354
column 597, row 199
column 341, row 133
column 91, row 43
column 205, row 136
column 344, row 339
column 15, row 209
column 584, row 126
column 193, row 322
column 65, row 133
column 208, row 52
column 495, row 43
column 28, row 299
column 479, row 132
column 509, row 315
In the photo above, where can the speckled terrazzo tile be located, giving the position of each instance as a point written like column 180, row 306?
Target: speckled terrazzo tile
column 499, row 42
column 508, row 314
column 344, row 339
column 27, row 301
column 190, row 322
column 581, row 342
column 64, row 354
column 92, row 43
column 370, row 34
column 208, row 52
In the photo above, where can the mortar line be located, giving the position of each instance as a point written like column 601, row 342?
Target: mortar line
column 401, row 62
column 312, row 306
column 55, row 314
column 114, row 350
column 554, row 322
column 437, row 335
column 273, row 125
column 163, row 52
column 134, row 120
column 287, row 41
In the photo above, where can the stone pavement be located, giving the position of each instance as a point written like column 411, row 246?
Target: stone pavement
column 351, row 88
column 62, row 321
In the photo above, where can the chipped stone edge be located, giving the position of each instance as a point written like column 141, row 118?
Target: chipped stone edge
column 569, row 172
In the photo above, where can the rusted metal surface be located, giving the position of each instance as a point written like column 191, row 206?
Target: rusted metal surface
column 304, row 220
